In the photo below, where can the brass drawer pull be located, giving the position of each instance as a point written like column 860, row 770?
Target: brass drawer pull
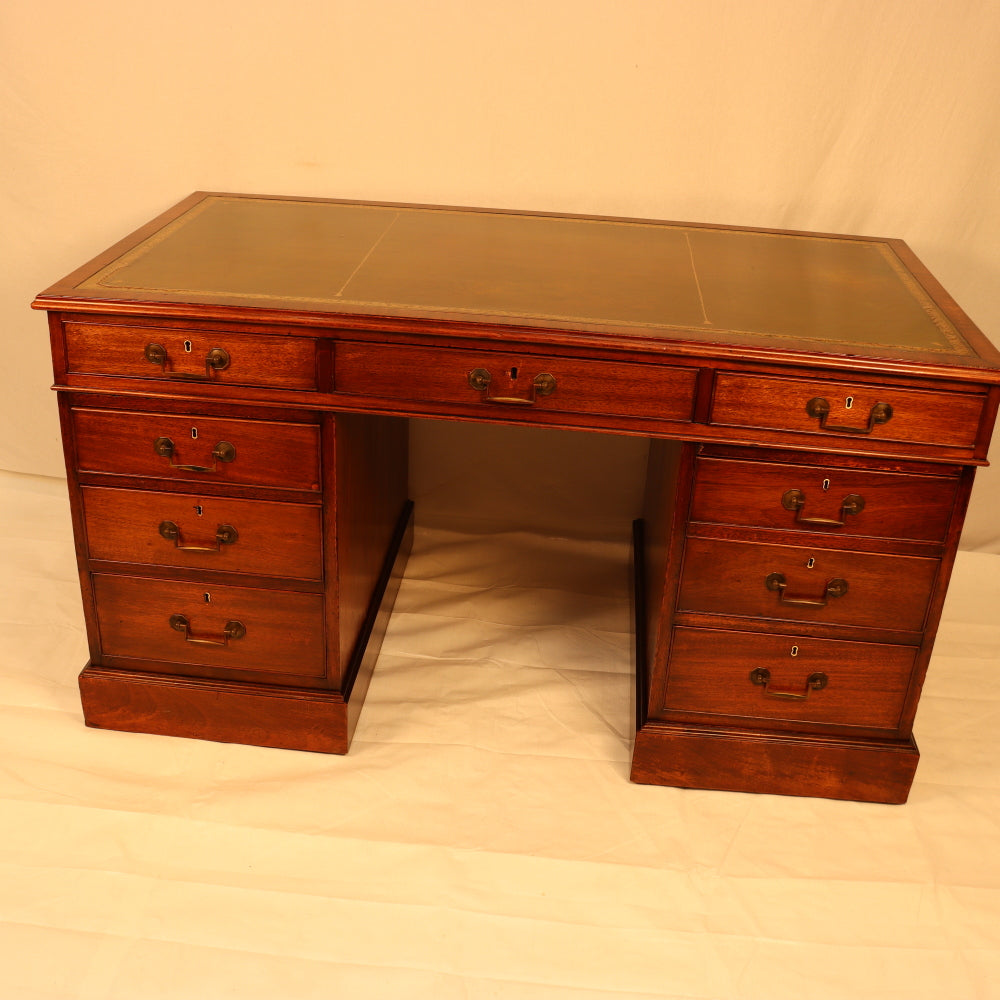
column 231, row 630
column 541, row 385
column 814, row 682
column 222, row 452
column 880, row 413
column 216, row 359
column 225, row 534
column 776, row 581
column 796, row 499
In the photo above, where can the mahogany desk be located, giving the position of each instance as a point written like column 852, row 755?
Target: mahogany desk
column 234, row 381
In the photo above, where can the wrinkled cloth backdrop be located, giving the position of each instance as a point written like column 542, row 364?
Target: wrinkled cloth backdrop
column 481, row 840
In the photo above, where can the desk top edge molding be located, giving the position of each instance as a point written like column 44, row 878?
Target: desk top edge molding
column 980, row 363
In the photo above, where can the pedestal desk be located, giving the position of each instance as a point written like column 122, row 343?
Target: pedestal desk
column 234, row 385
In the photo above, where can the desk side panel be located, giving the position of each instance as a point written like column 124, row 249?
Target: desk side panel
column 366, row 498
column 665, row 507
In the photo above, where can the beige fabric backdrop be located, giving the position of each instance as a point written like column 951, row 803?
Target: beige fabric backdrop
column 879, row 117
column 481, row 840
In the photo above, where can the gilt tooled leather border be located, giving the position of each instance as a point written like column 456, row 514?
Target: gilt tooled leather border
column 101, row 279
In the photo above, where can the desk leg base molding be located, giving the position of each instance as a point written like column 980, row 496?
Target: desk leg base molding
column 223, row 711
column 776, row 764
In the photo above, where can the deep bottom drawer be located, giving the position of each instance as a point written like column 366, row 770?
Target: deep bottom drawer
column 762, row 676
column 234, row 628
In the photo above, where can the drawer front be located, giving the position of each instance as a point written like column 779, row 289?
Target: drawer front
column 777, row 582
column 813, row 498
column 197, row 532
column 760, row 676
column 167, row 446
column 172, row 622
column 855, row 412
column 178, row 356
column 496, row 381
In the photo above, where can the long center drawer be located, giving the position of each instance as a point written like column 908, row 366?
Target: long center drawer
column 492, row 382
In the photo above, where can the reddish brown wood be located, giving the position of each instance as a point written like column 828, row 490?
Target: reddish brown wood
column 895, row 506
column 853, row 633
column 168, row 705
column 283, row 630
column 79, row 528
column 936, row 605
column 273, row 539
column 371, row 478
column 710, row 676
column 253, row 359
column 830, row 459
column 267, row 453
column 323, row 373
column 988, row 420
column 665, row 506
column 774, row 763
column 361, row 666
column 728, row 577
column 918, row 416
column 580, row 386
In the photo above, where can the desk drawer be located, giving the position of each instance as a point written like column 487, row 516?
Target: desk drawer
column 722, row 673
column 205, row 449
column 496, row 381
column 198, row 532
column 827, row 499
column 745, row 579
column 237, row 628
column 177, row 356
column 853, row 412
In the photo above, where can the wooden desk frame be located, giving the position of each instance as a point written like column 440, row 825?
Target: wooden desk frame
column 792, row 561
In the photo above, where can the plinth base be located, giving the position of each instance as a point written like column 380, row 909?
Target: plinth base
column 774, row 763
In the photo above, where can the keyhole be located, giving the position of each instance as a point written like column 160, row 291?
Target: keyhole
column 513, row 374
column 795, row 651
column 208, row 598
column 849, row 402
column 194, row 432
column 187, row 346
column 810, row 563
column 826, row 485
column 198, row 509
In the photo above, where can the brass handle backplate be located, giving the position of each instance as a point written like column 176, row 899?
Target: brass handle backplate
column 225, row 534
column 795, row 500
column 776, row 581
column 814, row 682
column 215, row 361
column 541, row 385
column 232, row 630
column 880, row 413
column 222, row 452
